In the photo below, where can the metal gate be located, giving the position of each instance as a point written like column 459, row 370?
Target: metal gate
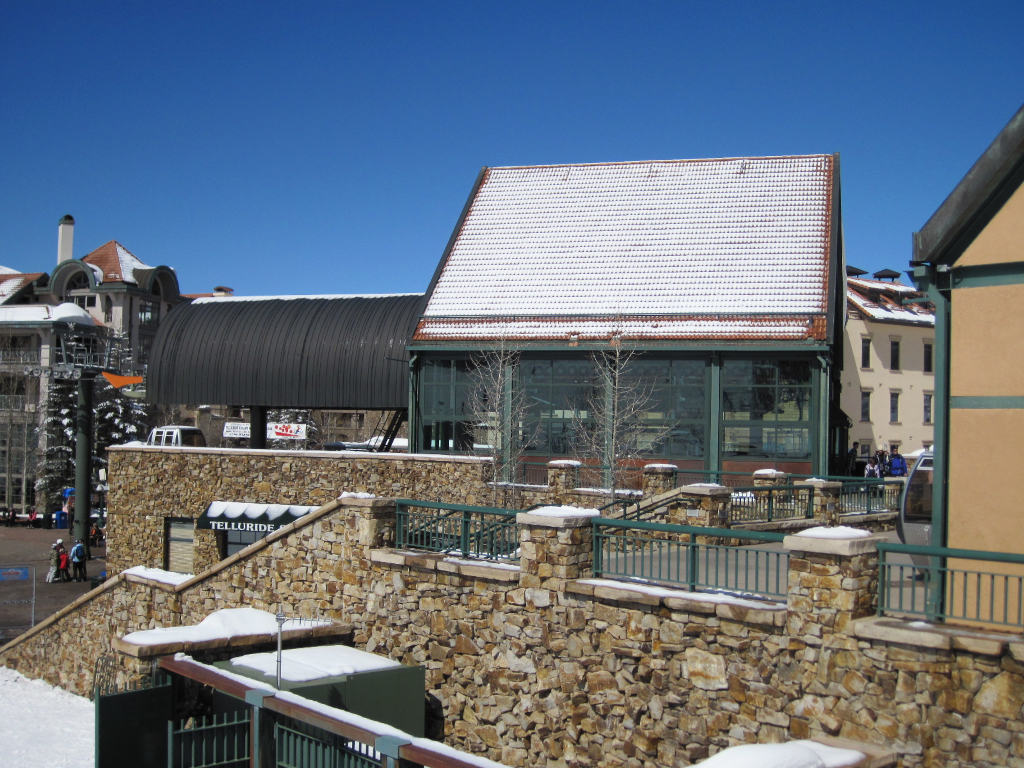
column 212, row 741
column 131, row 722
column 296, row 749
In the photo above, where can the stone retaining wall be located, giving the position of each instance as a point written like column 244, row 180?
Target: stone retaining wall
column 150, row 485
column 535, row 665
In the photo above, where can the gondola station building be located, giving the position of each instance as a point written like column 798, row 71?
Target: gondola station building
column 723, row 279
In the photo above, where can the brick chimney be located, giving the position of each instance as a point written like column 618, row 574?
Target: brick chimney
column 65, row 238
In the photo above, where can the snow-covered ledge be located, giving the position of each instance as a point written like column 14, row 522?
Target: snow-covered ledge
column 557, row 517
column 839, row 540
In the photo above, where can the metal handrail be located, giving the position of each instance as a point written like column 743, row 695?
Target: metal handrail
column 930, row 587
column 682, row 556
column 461, row 527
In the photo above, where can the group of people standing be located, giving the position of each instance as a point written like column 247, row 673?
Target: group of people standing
column 881, row 464
column 884, row 464
column 61, row 559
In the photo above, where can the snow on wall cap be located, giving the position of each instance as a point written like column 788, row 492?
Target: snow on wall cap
column 793, row 754
column 223, row 624
column 768, row 472
column 834, row 532
column 672, row 467
column 565, row 463
column 156, row 574
column 357, row 495
column 564, row 512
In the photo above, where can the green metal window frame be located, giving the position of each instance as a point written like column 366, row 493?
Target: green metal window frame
column 769, row 390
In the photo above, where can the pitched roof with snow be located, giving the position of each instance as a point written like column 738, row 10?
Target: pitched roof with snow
column 684, row 249
column 11, row 282
column 115, row 263
column 888, row 301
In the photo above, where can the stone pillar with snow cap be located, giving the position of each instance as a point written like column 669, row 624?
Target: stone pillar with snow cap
column 826, row 498
column 556, row 546
column 562, row 476
column 833, row 580
column 702, row 504
column 658, row 478
column 770, row 477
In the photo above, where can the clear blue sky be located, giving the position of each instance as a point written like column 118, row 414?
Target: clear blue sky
column 310, row 147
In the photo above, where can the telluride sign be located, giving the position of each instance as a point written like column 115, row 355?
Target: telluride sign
column 250, row 517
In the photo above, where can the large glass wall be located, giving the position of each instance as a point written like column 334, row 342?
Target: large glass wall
column 446, row 424
column 766, row 409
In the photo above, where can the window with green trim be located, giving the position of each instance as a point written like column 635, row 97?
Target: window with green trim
column 766, row 408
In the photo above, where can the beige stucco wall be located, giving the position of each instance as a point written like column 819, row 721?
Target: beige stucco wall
column 986, row 481
column 1002, row 240
column 910, row 432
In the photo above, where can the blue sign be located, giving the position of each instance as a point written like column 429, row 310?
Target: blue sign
column 14, row 574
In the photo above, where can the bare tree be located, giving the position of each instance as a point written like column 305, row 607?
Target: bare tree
column 497, row 405
column 616, row 429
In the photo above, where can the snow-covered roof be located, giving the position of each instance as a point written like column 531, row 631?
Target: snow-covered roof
column 233, row 510
column 42, row 313
column 112, row 262
column 715, row 248
column 883, row 300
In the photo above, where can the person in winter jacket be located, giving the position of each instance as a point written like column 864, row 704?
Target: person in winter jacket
column 873, row 469
column 897, row 464
column 51, row 575
column 78, row 561
column 62, row 562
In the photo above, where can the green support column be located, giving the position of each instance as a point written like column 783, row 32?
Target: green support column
column 820, row 380
column 415, row 437
column 509, row 447
column 713, row 455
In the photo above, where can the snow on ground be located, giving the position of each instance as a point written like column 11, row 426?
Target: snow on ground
column 43, row 726
column 795, row 754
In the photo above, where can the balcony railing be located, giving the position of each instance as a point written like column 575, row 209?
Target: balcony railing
column 19, row 356
column 12, row 402
column 769, row 503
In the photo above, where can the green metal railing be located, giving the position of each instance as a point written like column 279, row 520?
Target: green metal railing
column 297, row 749
column 943, row 584
column 482, row 532
column 214, row 741
column 682, row 555
column 769, row 503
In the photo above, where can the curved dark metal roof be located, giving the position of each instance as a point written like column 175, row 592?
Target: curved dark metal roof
column 291, row 352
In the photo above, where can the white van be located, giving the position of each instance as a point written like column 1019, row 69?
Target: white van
column 189, row 437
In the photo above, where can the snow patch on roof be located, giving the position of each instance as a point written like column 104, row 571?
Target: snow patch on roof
column 230, row 299
column 891, row 311
column 10, row 286
column 129, row 262
column 8, row 271
column 41, row 313
column 301, row 664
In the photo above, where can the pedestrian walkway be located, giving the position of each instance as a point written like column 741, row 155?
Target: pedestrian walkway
column 22, row 545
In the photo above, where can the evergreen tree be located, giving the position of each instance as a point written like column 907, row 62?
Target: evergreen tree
column 117, row 419
column 56, row 469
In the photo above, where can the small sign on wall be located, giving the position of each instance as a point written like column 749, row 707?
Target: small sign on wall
column 239, row 430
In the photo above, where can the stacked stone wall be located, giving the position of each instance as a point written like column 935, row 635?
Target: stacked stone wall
column 537, row 666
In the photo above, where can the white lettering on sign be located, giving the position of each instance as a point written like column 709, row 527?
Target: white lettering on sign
column 234, row 525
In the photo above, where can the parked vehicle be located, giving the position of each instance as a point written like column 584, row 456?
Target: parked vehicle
column 914, row 524
column 177, row 436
